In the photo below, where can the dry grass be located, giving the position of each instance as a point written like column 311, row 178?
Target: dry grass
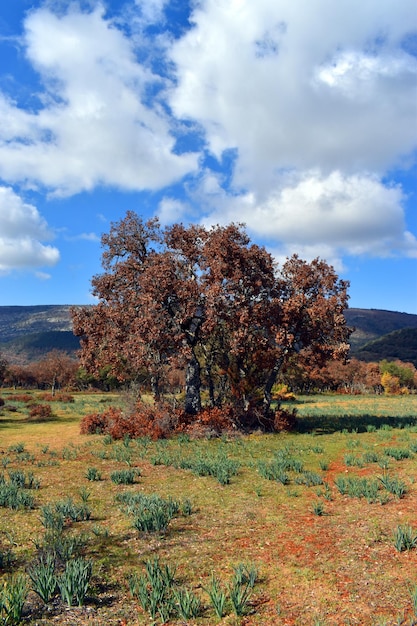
column 337, row 568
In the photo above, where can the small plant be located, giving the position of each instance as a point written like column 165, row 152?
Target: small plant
column 398, row 453
column 404, row 538
column 74, row 581
column 217, row 596
column 52, row 519
column 154, row 588
column 352, row 460
column 188, row 604
column 186, row 508
column 12, row 599
column 17, row 447
column 152, row 520
column 241, row 587
column 42, row 575
column 318, row 508
column 393, row 485
column 84, row 494
column 13, row 497
column 93, row 474
column 124, row 477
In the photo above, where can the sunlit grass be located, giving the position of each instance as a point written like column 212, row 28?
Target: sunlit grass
column 274, row 526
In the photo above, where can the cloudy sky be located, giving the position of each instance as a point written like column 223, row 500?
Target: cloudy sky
column 297, row 118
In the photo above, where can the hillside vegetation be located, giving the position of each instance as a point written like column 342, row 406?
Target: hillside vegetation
column 400, row 344
column 28, row 332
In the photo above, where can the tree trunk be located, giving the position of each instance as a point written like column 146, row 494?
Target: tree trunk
column 155, row 388
column 271, row 382
column 192, row 387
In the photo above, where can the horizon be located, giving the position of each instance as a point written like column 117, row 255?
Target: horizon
column 300, row 124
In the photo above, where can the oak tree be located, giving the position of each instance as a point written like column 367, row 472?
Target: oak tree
column 208, row 301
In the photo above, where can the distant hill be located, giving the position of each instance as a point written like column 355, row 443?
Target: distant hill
column 28, row 332
column 400, row 344
column 371, row 324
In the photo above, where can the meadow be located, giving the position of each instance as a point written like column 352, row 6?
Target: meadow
column 314, row 527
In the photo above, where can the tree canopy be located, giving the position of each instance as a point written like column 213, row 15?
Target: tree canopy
column 209, row 302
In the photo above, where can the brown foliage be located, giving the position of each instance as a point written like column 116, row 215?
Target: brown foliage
column 59, row 397
column 209, row 303
column 156, row 421
column 21, row 397
column 40, row 412
column 96, row 423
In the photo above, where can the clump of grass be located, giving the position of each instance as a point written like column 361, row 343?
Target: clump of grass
column 217, row 596
column 309, row 479
column 151, row 513
column 188, row 604
column 393, row 485
column 74, row 581
column 398, row 453
column 124, row 477
column 93, row 474
column 358, row 487
column 154, row 589
column 318, row 508
column 351, row 460
column 12, row 598
column 404, row 538
column 13, row 497
column 43, row 577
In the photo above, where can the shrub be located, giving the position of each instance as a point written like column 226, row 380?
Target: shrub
column 20, row 397
column 96, row 423
column 59, row 397
column 285, row 420
column 1, row 402
column 40, row 412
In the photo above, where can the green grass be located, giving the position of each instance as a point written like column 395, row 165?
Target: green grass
column 318, row 554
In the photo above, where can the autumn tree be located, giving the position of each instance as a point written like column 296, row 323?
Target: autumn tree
column 212, row 303
column 56, row 369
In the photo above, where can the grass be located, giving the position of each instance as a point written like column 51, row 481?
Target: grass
column 338, row 562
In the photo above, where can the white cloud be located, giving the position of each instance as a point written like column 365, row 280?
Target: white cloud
column 94, row 126
column 171, row 210
column 324, row 87
column 327, row 216
column 43, row 276
column 22, row 230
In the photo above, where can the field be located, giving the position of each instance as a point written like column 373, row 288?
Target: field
column 316, row 527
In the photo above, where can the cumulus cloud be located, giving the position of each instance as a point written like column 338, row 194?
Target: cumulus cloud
column 22, row 230
column 305, row 110
column 327, row 216
column 94, row 124
column 171, row 210
column 318, row 104
column 299, row 89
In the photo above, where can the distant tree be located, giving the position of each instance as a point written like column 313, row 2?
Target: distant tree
column 212, row 303
column 56, row 369
column 404, row 372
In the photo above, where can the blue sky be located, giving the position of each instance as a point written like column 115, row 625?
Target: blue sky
column 297, row 119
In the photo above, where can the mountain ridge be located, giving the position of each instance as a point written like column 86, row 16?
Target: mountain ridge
column 28, row 332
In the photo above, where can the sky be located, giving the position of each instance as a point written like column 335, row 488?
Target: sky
column 296, row 118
